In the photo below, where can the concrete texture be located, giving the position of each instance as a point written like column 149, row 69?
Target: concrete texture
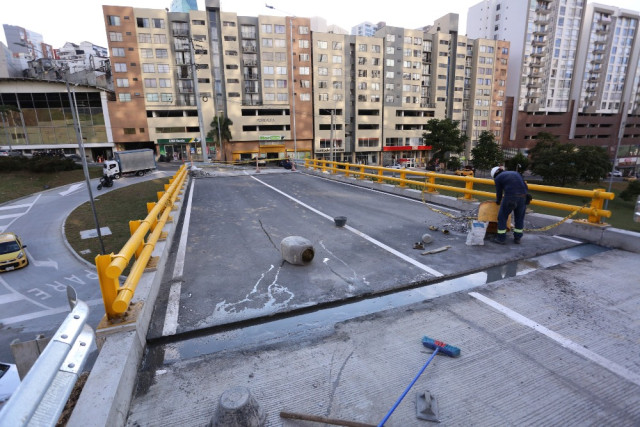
column 508, row 373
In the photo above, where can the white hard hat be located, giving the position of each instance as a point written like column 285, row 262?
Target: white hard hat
column 494, row 170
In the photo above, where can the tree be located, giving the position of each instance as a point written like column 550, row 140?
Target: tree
column 631, row 192
column 553, row 161
column 518, row 163
column 592, row 163
column 487, row 153
column 224, row 124
column 445, row 138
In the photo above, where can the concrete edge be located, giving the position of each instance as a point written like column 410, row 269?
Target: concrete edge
column 605, row 235
column 107, row 394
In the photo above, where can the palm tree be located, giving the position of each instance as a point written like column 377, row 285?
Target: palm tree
column 220, row 131
column 7, row 111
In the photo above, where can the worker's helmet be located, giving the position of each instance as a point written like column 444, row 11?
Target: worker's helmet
column 495, row 170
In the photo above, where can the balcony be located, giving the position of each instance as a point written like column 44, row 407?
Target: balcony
column 532, row 107
column 540, row 32
column 185, row 90
column 250, row 90
column 539, row 54
column 180, row 32
column 534, row 85
column 249, row 49
column 597, row 60
column 250, row 62
column 538, row 43
column 540, row 20
column 602, row 30
column 251, row 76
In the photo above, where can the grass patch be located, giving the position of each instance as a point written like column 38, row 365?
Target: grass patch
column 114, row 210
column 17, row 184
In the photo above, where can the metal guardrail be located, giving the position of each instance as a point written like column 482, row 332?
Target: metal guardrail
column 430, row 184
column 109, row 267
column 43, row 393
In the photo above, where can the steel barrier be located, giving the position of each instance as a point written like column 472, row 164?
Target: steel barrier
column 116, row 298
column 43, row 393
column 594, row 211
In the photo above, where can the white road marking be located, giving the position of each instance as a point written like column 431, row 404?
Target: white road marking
column 44, row 313
column 567, row 239
column 359, row 233
column 34, row 302
column 173, row 304
column 10, row 216
column 565, row 342
column 72, row 189
column 9, row 298
column 28, row 206
column 51, row 263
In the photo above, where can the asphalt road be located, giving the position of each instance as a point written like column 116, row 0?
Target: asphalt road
column 33, row 300
column 233, row 270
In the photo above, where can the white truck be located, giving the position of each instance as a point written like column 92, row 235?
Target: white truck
column 136, row 162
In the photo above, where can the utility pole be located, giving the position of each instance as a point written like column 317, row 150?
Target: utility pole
column 203, row 136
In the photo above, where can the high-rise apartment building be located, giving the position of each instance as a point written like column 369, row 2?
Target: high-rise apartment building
column 366, row 29
column 23, row 41
column 573, row 71
column 292, row 91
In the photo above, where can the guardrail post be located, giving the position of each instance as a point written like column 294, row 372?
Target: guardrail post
column 108, row 286
column 432, row 180
column 133, row 226
column 347, row 170
column 380, row 175
column 403, row 176
column 323, row 163
column 597, row 203
column 468, row 186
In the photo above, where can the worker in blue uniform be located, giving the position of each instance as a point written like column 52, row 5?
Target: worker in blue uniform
column 511, row 195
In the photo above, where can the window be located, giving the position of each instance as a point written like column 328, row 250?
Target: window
column 267, row 42
column 117, row 51
column 390, row 50
column 375, row 48
column 323, row 97
column 323, row 71
column 266, row 28
column 152, row 97
column 283, row 97
column 279, row 29
column 115, row 37
column 129, row 131
column 391, row 38
column 280, row 56
column 322, row 44
column 323, row 84
column 150, row 83
column 279, row 43
column 269, row 83
column 148, row 68
column 143, row 22
column 281, row 70
column 303, row 29
column 305, row 97
column 362, row 47
column 146, row 53
column 228, row 24
column 158, row 23
column 163, row 68
column 122, row 82
column 267, row 56
column 303, row 70
column 390, row 62
column 160, row 38
column 323, row 58
column 197, row 22
column 362, row 86
column 303, row 44
column 113, row 20
column 162, row 53
column 337, row 85
column 166, row 97
column 120, row 67
column 337, row 59
column 124, row 97
column 362, row 73
column 304, row 57
column 144, row 38
column 305, row 84
column 337, row 71
column 269, row 96
column 336, row 45
column 267, row 69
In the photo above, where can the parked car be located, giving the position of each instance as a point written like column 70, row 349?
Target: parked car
column 615, row 173
column 9, row 381
column 12, row 253
column 74, row 157
column 7, row 153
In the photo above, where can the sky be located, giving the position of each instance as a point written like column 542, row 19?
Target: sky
column 58, row 22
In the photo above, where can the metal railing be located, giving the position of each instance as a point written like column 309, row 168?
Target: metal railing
column 43, row 393
column 116, row 298
column 432, row 181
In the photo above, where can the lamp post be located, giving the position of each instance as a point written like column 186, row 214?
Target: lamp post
column 194, row 71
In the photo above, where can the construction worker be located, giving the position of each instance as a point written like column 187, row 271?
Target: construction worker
column 511, row 195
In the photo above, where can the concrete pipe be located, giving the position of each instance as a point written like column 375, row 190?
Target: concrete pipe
column 296, row 250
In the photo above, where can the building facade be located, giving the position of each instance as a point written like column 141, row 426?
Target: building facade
column 576, row 76
column 291, row 91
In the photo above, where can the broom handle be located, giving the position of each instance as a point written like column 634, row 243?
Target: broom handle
column 325, row 420
column 386, row 417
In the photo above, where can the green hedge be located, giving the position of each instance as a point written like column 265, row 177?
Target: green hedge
column 37, row 164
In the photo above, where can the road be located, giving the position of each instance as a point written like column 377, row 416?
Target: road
column 33, row 300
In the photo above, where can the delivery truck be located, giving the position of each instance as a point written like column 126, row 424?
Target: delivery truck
column 136, row 162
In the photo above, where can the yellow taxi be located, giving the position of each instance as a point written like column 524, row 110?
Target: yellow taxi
column 12, row 253
column 467, row 171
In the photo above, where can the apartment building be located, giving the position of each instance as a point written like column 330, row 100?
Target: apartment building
column 576, row 75
column 290, row 91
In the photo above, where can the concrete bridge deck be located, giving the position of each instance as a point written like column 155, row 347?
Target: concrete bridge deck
column 545, row 339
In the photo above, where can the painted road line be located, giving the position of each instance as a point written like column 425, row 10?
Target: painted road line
column 359, row 233
column 173, row 304
column 44, row 313
column 28, row 206
column 9, row 298
column 567, row 239
column 565, row 342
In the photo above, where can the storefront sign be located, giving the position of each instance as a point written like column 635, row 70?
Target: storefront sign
column 271, row 137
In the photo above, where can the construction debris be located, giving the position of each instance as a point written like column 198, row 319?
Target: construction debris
column 435, row 251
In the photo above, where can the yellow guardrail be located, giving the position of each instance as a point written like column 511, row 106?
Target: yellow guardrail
column 428, row 181
column 117, row 298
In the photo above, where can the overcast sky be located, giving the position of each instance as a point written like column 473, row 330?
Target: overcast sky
column 60, row 22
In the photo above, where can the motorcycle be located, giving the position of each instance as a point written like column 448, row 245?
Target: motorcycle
column 105, row 181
